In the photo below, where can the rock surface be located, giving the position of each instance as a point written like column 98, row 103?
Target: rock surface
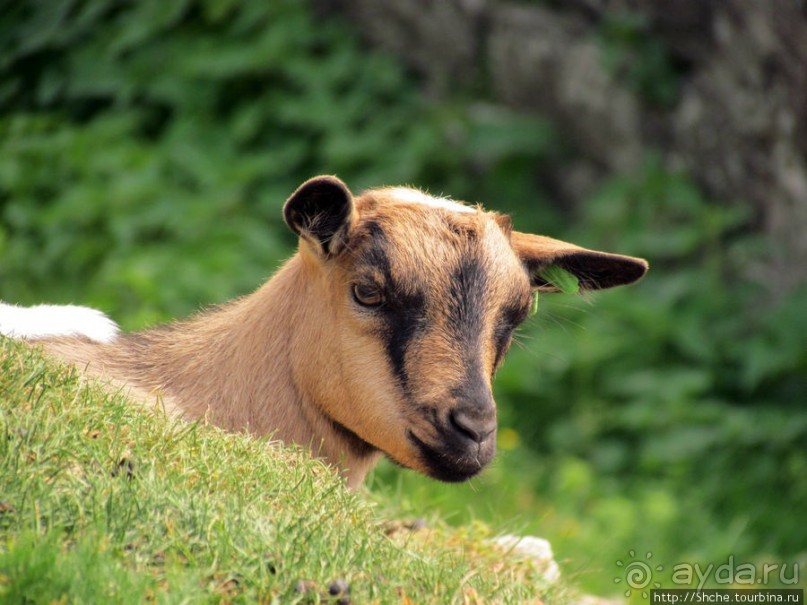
column 537, row 550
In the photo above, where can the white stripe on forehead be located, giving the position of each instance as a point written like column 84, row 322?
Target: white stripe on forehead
column 404, row 194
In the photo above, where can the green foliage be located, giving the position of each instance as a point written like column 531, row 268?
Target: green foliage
column 560, row 278
column 103, row 501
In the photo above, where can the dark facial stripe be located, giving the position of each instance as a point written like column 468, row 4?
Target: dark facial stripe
column 510, row 317
column 466, row 308
column 466, row 291
column 405, row 313
column 473, row 393
column 403, row 309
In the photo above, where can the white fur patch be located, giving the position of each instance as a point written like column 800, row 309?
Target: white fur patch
column 405, row 194
column 43, row 321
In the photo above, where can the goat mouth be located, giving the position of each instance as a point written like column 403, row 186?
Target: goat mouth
column 450, row 463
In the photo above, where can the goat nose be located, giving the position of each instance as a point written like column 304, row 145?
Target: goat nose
column 473, row 426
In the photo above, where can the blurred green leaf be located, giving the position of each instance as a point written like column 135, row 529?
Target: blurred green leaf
column 561, row 279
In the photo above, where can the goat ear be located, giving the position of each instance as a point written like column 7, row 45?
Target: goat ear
column 593, row 270
column 321, row 211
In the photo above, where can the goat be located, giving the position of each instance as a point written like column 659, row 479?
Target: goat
column 380, row 336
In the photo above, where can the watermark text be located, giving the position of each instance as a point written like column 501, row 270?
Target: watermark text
column 727, row 596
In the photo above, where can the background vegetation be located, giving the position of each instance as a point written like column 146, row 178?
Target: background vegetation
column 146, row 149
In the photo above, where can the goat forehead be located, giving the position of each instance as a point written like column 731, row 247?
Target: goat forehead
column 438, row 256
column 415, row 196
column 421, row 243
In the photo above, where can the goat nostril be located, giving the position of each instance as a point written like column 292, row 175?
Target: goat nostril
column 473, row 428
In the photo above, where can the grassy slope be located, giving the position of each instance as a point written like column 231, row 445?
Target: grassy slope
column 103, row 501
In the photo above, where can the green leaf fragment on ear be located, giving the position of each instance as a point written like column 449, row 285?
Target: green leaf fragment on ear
column 534, row 308
column 561, row 279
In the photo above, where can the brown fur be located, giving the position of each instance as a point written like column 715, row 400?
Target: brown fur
column 301, row 360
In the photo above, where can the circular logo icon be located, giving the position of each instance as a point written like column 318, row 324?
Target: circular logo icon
column 637, row 574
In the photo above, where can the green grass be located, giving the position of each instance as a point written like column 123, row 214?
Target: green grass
column 103, row 501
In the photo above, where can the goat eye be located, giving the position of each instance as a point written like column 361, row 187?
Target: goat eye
column 367, row 296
